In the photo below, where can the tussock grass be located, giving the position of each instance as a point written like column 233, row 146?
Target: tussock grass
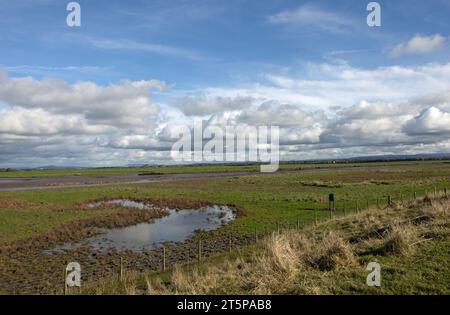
column 317, row 260
column 399, row 240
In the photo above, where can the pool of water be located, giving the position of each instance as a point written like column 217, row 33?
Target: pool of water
column 177, row 226
column 125, row 203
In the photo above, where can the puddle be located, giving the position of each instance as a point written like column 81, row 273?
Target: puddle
column 178, row 226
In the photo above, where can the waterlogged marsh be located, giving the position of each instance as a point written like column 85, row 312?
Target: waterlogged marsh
column 177, row 226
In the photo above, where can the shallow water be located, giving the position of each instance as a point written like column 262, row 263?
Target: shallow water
column 178, row 226
column 126, row 203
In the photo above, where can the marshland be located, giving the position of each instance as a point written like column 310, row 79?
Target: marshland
column 215, row 233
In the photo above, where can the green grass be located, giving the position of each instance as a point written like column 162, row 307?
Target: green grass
column 272, row 200
column 16, row 224
column 423, row 270
column 192, row 169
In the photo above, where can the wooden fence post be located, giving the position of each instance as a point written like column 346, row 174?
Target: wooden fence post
column 164, row 258
column 121, row 269
column 199, row 250
column 188, row 255
column 65, row 280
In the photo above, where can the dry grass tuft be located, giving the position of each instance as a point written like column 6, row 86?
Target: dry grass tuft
column 399, row 239
column 335, row 252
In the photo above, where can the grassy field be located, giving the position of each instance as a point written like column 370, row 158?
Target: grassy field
column 271, row 202
column 278, row 198
column 4, row 173
column 410, row 243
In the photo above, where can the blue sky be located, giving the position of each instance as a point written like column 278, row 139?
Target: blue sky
column 207, row 42
column 216, row 54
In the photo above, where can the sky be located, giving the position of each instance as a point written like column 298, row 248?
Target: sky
column 114, row 90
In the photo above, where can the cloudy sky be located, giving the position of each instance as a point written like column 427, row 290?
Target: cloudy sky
column 111, row 91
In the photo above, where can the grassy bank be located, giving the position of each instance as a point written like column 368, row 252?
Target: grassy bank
column 409, row 241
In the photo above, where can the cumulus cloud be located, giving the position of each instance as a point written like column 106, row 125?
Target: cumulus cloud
column 431, row 120
column 338, row 107
column 328, row 110
column 126, row 104
column 419, row 45
column 52, row 118
column 328, row 86
column 37, row 122
column 201, row 105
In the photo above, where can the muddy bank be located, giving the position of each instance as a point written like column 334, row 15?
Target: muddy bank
column 179, row 225
column 37, row 273
column 26, row 268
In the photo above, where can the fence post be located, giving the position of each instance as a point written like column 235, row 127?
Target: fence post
column 199, row 250
column 256, row 235
column 415, row 195
column 230, row 243
column 65, row 280
column 188, row 255
column 164, row 258
column 315, row 215
column 389, row 201
column 121, row 269
column 298, row 224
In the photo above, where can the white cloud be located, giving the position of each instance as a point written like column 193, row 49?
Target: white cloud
column 201, row 105
column 309, row 15
column 327, row 111
column 126, row 44
column 37, row 122
column 126, row 104
column 419, row 45
column 431, row 120
column 327, row 86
